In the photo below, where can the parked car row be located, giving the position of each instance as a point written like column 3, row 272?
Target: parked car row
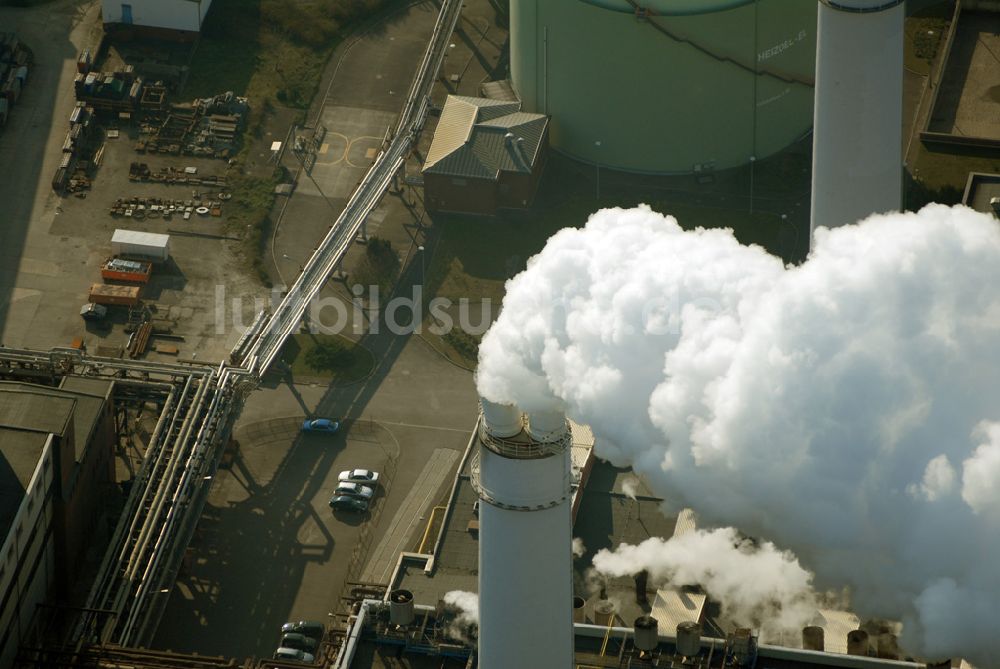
column 355, row 490
column 300, row 640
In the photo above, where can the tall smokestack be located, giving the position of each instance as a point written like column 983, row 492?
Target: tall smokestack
column 857, row 124
column 525, row 539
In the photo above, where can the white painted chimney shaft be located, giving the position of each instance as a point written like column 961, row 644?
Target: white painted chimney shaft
column 525, row 541
column 857, row 128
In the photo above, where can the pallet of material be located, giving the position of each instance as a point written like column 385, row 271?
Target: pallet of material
column 140, row 340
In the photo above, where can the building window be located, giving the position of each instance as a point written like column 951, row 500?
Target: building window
column 127, row 14
column 458, row 182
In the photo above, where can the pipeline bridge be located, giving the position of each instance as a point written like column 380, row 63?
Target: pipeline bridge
column 200, row 402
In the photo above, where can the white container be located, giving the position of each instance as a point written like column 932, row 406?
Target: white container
column 142, row 244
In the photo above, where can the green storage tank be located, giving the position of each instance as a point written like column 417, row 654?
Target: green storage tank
column 666, row 86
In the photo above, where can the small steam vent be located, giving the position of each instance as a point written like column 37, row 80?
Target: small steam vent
column 857, row 642
column 401, row 607
column 813, row 638
column 688, row 638
column 579, row 609
column 647, row 633
column 604, row 612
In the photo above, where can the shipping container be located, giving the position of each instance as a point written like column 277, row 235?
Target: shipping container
column 133, row 271
column 114, row 295
column 143, row 245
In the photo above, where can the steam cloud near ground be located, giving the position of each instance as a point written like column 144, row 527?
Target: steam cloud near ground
column 465, row 625
column 846, row 409
column 758, row 585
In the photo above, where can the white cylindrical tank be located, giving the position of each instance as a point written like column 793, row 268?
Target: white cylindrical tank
column 525, row 554
column 604, row 612
column 401, row 607
column 688, row 638
column 813, row 638
column 857, row 126
column 647, row 632
column 857, row 642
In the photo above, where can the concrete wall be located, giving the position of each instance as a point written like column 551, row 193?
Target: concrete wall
column 184, row 15
column 82, row 506
column 460, row 194
column 656, row 103
column 27, row 557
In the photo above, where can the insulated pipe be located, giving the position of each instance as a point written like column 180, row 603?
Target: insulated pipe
column 857, row 122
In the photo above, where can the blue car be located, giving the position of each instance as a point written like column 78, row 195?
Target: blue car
column 321, row 425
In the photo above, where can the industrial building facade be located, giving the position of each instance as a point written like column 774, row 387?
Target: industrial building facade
column 180, row 19
column 55, row 463
column 486, row 155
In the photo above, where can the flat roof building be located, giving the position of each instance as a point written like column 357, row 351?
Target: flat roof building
column 982, row 193
column 55, row 456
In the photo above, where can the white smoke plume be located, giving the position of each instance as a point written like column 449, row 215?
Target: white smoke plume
column 630, row 486
column 467, row 604
column 756, row 584
column 846, row 409
column 579, row 549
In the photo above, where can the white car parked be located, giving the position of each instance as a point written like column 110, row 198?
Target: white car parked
column 359, row 476
column 354, row 490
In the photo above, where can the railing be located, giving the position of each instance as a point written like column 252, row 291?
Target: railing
column 524, row 446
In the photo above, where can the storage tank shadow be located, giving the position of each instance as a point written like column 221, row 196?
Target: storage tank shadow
column 678, row 86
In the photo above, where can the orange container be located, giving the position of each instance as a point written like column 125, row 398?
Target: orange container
column 132, row 271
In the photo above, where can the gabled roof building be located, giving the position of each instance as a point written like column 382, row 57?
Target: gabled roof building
column 486, row 155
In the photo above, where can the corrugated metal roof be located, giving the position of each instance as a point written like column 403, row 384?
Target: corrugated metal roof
column 686, row 522
column 836, row 625
column 479, row 138
column 672, row 607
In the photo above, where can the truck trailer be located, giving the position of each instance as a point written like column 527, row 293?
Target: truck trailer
column 132, row 244
column 114, row 295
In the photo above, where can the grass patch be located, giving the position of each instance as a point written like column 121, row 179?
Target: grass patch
column 327, row 356
column 924, row 33
column 379, row 266
column 274, row 53
column 248, row 217
column 464, row 344
column 272, row 49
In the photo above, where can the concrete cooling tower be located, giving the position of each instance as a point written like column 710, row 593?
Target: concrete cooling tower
column 666, row 86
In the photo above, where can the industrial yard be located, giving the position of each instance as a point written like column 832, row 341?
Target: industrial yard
column 240, row 484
